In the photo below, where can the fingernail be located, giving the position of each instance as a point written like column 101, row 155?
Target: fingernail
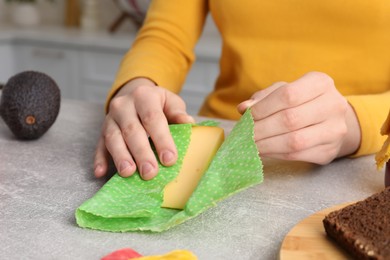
column 250, row 102
column 191, row 119
column 124, row 165
column 97, row 167
column 147, row 171
column 98, row 170
column 167, row 157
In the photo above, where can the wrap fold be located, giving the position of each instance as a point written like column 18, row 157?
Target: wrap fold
column 132, row 204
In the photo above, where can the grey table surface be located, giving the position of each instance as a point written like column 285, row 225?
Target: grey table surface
column 42, row 182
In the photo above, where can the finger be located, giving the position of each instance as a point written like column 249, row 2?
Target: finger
column 257, row 96
column 155, row 123
column 136, row 140
column 101, row 159
column 133, row 133
column 301, row 140
column 175, row 110
column 307, row 88
column 292, row 119
column 116, row 146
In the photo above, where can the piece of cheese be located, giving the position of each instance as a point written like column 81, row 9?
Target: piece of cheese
column 204, row 144
column 383, row 155
column 174, row 255
column 385, row 129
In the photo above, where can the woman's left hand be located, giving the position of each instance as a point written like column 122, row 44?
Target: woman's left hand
column 305, row 120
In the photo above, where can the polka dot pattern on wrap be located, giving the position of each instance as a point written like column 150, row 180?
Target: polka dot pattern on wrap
column 132, row 204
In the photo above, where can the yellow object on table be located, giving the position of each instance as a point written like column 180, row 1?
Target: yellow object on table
column 174, row 255
column 384, row 154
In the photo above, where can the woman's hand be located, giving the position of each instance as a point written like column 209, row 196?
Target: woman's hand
column 138, row 111
column 305, row 120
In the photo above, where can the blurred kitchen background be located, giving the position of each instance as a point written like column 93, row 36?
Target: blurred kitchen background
column 80, row 43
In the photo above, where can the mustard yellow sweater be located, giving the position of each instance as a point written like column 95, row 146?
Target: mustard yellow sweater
column 269, row 41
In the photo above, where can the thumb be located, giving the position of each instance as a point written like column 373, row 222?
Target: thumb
column 259, row 95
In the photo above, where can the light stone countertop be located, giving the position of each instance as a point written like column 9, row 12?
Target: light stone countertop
column 42, row 183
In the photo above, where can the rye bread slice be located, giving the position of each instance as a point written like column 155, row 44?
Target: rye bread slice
column 363, row 228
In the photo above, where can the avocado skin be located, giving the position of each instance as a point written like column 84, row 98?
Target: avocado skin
column 30, row 94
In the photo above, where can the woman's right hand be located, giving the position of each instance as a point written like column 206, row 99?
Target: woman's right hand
column 139, row 110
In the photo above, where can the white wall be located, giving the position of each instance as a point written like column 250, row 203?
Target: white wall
column 7, row 65
column 3, row 11
column 53, row 14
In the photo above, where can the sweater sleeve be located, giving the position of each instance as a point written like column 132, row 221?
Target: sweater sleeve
column 163, row 50
column 371, row 111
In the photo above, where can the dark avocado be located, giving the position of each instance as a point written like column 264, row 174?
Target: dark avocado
column 29, row 105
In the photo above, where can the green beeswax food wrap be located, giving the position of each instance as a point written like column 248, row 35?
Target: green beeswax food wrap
column 132, row 204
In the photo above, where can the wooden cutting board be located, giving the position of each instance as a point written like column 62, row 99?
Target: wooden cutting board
column 308, row 240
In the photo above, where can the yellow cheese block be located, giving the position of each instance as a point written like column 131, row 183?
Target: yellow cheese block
column 385, row 130
column 383, row 155
column 174, row 255
column 204, row 144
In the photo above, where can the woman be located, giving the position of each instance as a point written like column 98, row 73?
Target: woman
column 316, row 76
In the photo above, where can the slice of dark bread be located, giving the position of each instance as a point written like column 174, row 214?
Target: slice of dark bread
column 363, row 228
